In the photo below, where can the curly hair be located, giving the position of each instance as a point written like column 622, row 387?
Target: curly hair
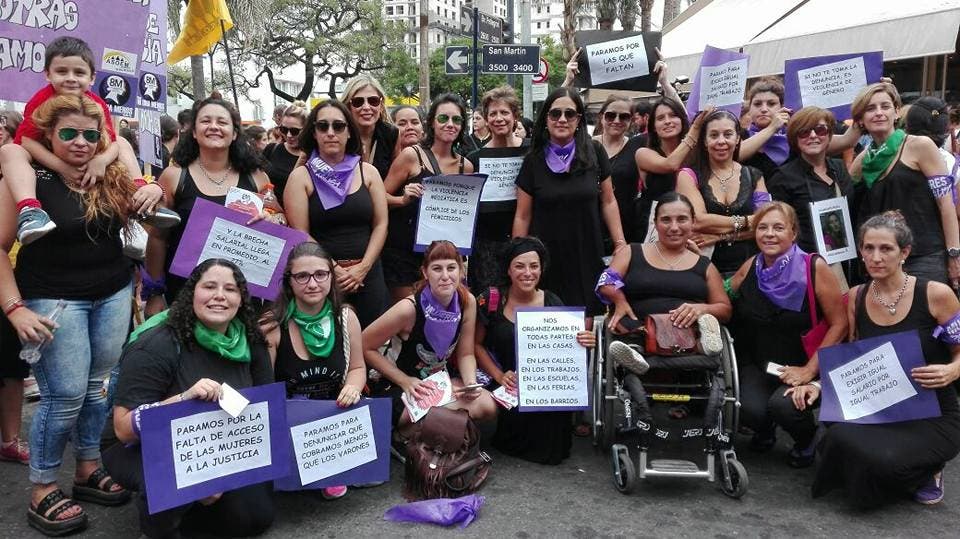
column 242, row 157
column 183, row 319
column 277, row 311
column 110, row 197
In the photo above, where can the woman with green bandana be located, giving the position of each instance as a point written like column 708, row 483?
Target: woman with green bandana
column 905, row 173
column 207, row 338
column 314, row 340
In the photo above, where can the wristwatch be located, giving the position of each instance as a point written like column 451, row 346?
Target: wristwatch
column 953, row 252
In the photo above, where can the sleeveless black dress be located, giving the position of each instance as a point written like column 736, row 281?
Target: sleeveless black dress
column 729, row 257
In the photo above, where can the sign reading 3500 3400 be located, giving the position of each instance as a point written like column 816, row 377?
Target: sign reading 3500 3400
column 511, row 59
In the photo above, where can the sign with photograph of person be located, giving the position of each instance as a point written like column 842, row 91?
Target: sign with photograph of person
column 617, row 60
column 551, row 364
column 833, row 229
column 720, row 82
column 448, row 210
column 830, row 82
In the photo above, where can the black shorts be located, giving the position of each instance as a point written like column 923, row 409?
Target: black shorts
column 401, row 267
column 11, row 366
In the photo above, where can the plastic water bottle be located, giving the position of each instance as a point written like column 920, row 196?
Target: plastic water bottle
column 272, row 206
column 30, row 352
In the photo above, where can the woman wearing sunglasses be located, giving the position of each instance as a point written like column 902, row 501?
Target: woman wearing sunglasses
column 80, row 262
column 380, row 139
column 282, row 156
column 339, row 200
column 615, row 117
column 563, row 188
column 404, row 186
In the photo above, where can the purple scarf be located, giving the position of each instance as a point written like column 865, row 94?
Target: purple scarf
column 441, row 323
column 559, row 157
column 331, row 183
column 785, row 281
column 777, row 147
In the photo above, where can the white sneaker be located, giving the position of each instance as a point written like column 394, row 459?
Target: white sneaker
column 31, row 391
column 627, row 357
column 710, row 339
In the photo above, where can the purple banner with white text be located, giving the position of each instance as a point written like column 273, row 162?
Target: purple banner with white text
column 830, row 82
column 720, row 81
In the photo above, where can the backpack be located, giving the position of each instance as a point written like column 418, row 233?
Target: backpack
column 443, row 457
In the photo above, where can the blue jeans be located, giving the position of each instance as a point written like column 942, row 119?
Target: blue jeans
column 70, row 377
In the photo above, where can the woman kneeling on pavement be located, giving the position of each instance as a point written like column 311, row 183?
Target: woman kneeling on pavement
column 208, row 337
column 774, row 296
column 314, row 339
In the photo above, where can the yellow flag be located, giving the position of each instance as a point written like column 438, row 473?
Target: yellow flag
column 201, row 29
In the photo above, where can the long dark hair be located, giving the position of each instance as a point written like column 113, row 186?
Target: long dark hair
column 653, row 139
column 429, row 135
column 585, row 156
column 703, row 157
column 278, row 310
column 242, row 157
column 308, row 141
column 182, row 318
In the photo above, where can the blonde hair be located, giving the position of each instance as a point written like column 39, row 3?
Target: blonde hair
column 789, row 214
column 860, row 103
column 358, row 83
column 297, row 109
column 110, row 197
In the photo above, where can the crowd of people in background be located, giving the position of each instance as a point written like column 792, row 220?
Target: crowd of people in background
column 652, row 210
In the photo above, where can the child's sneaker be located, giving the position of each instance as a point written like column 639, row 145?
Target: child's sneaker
column 332, row 493
column 710, row 340
column 33, row 224
column 932, row 492
column 625, row 356
column 161, row 218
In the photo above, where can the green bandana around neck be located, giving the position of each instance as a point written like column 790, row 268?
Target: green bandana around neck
column 878, row 159
column 316, row 330
column 232, row 346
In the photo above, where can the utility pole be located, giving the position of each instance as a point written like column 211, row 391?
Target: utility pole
column 476, row 55
column 512, row 23
column 525, row 39
column 424, row 52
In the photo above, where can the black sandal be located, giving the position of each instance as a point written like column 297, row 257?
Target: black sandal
column 98, row 489
column 45, row 519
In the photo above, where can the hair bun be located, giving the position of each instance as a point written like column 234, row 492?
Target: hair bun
column 895, row 216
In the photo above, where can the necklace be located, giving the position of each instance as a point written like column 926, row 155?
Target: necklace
column 891, row 307
column 723, row 181
column 219, row 182
column 673, row 265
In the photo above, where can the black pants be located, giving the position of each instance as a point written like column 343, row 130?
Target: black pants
column 763, row 406
column 238, row 513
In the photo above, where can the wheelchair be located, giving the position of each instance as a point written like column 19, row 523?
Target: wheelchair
column 627, row 406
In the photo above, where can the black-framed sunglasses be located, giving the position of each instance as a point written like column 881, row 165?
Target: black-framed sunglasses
column 303, row 277
column 338, row 126
column 611, row 116
column 292, row 131
column 819, row 130
column 444, row 118
column 373, row 101
column 67, row 134
column 569, row 114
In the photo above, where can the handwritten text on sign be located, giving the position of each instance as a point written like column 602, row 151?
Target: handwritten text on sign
column 448, row 210
column 213, row 444
column 871, row 382
column 723, row 84
column 551, row 364
column 501, row 178
column 832, row 85
column 255, row 253
column 617, row 60
column 335, row 444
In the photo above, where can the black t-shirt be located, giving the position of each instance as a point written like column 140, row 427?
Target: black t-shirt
column 157, row 366
column 796, row 184
column 280, row 164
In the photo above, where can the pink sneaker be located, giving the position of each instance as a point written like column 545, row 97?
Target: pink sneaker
column 332, row 493
column 15, row 451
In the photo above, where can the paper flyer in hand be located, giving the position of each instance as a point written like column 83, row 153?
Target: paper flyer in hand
column 506, row 398
column 441, row 395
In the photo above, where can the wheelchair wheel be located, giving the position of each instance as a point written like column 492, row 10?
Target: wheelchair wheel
column 735, row 485
column 608, row 407
column 627, row 479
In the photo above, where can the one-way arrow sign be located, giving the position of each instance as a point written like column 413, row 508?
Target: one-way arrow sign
column 457, row 60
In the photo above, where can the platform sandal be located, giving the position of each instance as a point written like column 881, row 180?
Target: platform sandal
column 97, row 489
column 45, row 519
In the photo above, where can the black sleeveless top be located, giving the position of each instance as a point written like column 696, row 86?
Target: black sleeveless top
column 402, row 222
column 729, row 258
column 416, row 357
column 343, row 231
column 654, row 186
column 920, row 319
column 314, row 378
column 653, row 290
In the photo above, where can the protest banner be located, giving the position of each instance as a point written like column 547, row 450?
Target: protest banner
column 551, row 364
column 721, row 81
column 260, row 250
column 152, row 84
column 833, row 229
column 830, row 82
column 501, row 166
column 617, row 60
column 868, row 381
column 448, row 210
column 193, row 449
column 337, row 446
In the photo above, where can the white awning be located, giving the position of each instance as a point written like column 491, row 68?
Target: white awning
column 911, row 29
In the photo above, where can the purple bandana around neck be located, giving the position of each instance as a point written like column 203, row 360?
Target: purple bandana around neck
column 777, row 147
column 441, row 323
column 559, row 157
column 785, row 281
column 331, row 183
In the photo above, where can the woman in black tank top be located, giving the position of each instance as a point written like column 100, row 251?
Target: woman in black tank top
column 880, row 462
column 212, row 157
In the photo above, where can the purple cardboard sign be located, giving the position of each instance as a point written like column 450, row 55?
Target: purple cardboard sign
column 260, row 250
column 720, row 81
column 551, row 365
column 335, row 446
column 113, row 29
column 868, row 381
column 194, row 449
column 448, row 210
column 830, row 82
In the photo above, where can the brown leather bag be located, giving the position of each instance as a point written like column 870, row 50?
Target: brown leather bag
column 664, row 339
column 443, row 456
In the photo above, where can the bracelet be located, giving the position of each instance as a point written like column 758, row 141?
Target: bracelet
column 688, row 143
column 15, row 306
column 139, row 182
column 11, row 301
column 815, row 384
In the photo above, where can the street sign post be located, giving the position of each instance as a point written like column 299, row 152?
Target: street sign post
column 456, row 60
column 511, row 59
column 544, row 72
column 489, row 28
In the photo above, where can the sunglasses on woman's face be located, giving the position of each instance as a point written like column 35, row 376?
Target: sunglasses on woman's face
column 303, row 277
column 67, row 134
column 819, row 130
column 373, row 101
column 338, row 126
column 444, row 118
column 611, row 116
column 292, row 131
column 569, row 114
